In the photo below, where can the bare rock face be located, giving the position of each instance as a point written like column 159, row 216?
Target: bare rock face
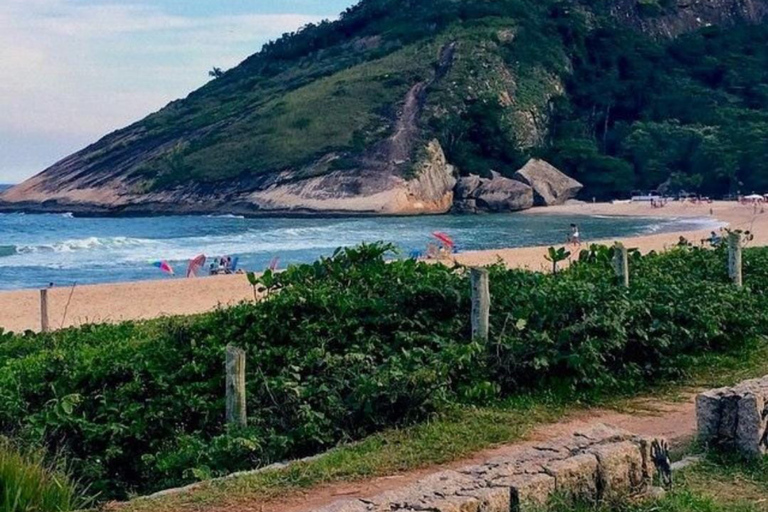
column 432, row 189
column 689, row 15
column 497, row 194
column 736, row 417
column 550, row 186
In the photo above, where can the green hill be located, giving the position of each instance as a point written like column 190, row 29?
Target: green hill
column 339, row 117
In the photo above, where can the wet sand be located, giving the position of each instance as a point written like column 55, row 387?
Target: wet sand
column 20, row 310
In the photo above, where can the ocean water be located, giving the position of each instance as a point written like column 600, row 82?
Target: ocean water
column 39, row 249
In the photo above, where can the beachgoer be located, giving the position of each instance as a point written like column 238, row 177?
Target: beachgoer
column 575, row 237
column 433, row 251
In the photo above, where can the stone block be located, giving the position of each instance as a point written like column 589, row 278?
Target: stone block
column 708, row 415
column 752, row 428
column 448, row 504
column 736, row 417
column 644, row 445
column 492, row 499
column 346, row 506
column 528, row 492
column 575, row 477
column 729, row 418
column 620, row 470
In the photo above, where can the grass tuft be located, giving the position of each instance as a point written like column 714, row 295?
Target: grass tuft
column 29, row 484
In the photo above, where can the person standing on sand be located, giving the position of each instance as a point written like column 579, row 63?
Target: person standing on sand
column 575, row 237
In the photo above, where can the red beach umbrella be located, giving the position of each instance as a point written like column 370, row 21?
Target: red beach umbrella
column 447, row 240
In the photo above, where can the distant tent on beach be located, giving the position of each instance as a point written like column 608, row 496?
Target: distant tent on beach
column 164, row 266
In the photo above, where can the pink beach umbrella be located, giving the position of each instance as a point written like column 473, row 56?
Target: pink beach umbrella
column 195, row 264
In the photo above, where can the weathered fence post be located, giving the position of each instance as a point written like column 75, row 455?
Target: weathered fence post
column 734, row 258
column 621, row 263
column 44, row 310
column 481, row 303
column 235, row 365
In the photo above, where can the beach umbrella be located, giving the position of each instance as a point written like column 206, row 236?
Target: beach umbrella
column 164, row 266
column 195, row 264
column 444, row 238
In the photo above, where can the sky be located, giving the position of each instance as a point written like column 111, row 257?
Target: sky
column 75, row 70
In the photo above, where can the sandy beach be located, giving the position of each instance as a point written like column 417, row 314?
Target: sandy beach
column 20, row 310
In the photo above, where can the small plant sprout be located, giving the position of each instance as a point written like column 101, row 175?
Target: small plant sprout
column 556, row 256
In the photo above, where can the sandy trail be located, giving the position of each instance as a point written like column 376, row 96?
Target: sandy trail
column 20, row 310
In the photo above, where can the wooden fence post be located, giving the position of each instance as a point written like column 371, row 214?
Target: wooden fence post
column 235, row 366
column 481, row 303
column 44, row 310
column 621, row 263
column 734, row 258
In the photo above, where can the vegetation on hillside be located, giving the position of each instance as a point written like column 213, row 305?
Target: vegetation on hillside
column 610, row 105
column 351, row 346
column 691, row 113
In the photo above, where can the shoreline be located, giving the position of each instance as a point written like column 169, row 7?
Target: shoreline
column 140, row 300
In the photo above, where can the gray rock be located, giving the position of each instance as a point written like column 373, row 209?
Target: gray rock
column 493, row 499
column 466, row 187
column 345, row 506
column 497, row 194
column 550, row 186
column 528, row 492
column 729, row 418
column 752, row 425
column 708, row 410
column 599, row 462
column 576, row 477
column 735, row 417
column 620, row 470
column 500, row 194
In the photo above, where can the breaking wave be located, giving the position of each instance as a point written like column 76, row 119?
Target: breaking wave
column 83, row 244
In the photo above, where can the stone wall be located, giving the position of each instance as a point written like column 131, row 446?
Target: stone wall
column 602, row 463
column 735, row 417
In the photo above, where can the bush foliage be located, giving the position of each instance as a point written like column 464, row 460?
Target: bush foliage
column 352, row 344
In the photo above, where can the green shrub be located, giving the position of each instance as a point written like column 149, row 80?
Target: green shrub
column 352, row 345
column 29, row 484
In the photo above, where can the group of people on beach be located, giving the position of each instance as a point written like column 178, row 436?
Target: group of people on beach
column 222, row 265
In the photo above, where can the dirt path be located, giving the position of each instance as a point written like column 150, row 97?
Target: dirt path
column 673, row 420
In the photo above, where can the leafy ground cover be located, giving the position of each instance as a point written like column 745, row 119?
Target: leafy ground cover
column 352, row 346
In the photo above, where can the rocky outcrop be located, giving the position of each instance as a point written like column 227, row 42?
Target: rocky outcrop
column 497, row 194
column 735, row 417
column 599, row 464
column 371, row 191
column 550, row 186
column 682, row 16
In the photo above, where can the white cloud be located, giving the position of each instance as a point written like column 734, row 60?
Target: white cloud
column 81, row 70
